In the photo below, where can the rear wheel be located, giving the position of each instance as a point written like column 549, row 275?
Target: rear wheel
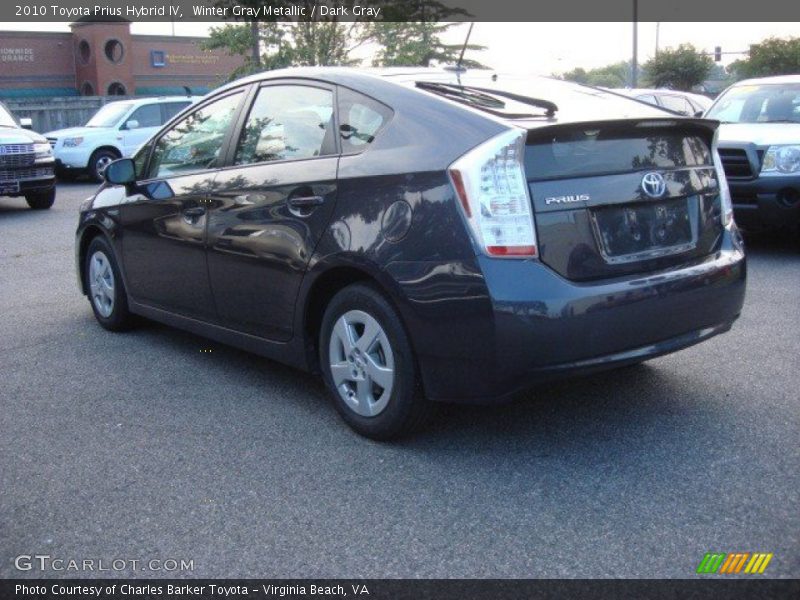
column 368, row 364
column 98, row 162
column 41, row 200
column 105, row 287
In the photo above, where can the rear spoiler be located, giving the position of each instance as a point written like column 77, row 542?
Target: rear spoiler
column 707, row 126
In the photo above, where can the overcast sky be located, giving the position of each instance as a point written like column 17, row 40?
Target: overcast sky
column 546, row 48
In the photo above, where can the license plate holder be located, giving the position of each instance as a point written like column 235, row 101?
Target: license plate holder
column 646, row 230
column 9, row 188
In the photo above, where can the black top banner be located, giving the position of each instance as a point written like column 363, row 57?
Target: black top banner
column 397, row 589
column 401, row 10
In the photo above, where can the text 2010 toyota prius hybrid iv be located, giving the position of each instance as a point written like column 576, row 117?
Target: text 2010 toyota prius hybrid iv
column 420, row 236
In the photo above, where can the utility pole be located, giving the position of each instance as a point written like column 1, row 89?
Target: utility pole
column 635, row 59
column 255, row 41
column 658, row 30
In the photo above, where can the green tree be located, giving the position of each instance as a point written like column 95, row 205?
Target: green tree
column 237, row 40
column 322, row 43
column 418, row 43
column 616, row 75
column 773, row 56
column 272, row 44
column 679, row 68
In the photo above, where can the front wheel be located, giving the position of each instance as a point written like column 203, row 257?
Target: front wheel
column 41, row 200
column 99, row 161
column 369, row 366
column 105, row 286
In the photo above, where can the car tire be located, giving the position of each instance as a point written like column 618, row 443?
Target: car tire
column 41, row 200
column 369, row 366
column 104, row 286
column 98, row 162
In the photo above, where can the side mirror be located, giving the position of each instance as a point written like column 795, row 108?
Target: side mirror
column 120, row 172
column 132, row 124
column 26, row 123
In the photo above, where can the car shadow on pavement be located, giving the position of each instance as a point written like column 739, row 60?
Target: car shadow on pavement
column 617, row 405
column 772, row 242
column 15, row 206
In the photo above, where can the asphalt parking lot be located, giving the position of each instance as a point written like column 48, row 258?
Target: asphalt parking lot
column 143, row 446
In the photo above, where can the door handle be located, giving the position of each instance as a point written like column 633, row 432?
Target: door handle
column 192, row 215
column 303, row 206
column 306, row 201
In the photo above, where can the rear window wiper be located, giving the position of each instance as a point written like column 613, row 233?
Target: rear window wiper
column 487, row 99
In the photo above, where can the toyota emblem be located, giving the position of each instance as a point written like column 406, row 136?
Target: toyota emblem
column 654, row 184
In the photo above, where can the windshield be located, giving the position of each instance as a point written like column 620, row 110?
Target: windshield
column 109, row 115
column 772, row 103
column 6, row 120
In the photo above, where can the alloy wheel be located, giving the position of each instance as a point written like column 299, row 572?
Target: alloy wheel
column 101, row 283
column 102, row 163
column 361, row 363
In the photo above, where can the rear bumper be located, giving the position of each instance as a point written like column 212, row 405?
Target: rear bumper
column 766, row 202
column 542, row 326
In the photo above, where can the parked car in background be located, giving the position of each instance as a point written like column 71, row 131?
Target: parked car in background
column 117, row 129
column 759, row 144
column 420, row 235
column 26, row 163
column 684, row 103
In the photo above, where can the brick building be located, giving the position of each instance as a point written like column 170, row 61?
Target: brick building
column 106, row 59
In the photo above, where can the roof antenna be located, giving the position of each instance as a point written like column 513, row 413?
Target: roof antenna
column 459, row 68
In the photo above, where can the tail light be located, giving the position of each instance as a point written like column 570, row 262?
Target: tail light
column 726, row 204
column 491, row 187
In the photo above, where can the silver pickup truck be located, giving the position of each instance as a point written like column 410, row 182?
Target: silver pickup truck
column 26, row 163
column 759, row 144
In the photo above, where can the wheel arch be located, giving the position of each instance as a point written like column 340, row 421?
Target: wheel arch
column 324, row 284
column 87, row 233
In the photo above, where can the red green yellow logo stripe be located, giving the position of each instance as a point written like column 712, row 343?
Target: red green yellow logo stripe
column 736, row 562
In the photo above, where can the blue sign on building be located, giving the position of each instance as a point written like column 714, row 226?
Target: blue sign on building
column 158, row 58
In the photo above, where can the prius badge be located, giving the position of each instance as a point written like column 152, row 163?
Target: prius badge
column 654, row 184
column 567, row 199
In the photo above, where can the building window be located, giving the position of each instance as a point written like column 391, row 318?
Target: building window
column 158, row 58
column 117, row 89
column 84, row 52
column 115, row 51
column 87, row 89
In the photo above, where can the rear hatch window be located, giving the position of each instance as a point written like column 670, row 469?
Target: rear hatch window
column 584, row 152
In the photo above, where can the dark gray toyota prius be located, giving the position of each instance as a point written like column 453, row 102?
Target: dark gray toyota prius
column 419, row 236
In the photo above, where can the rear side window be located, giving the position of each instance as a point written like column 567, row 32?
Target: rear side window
column 287, row 122
column 360, row 118
column 173, row 108
column 677, row 104
column 148, row 115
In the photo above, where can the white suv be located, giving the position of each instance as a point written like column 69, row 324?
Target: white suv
column 116, row 130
